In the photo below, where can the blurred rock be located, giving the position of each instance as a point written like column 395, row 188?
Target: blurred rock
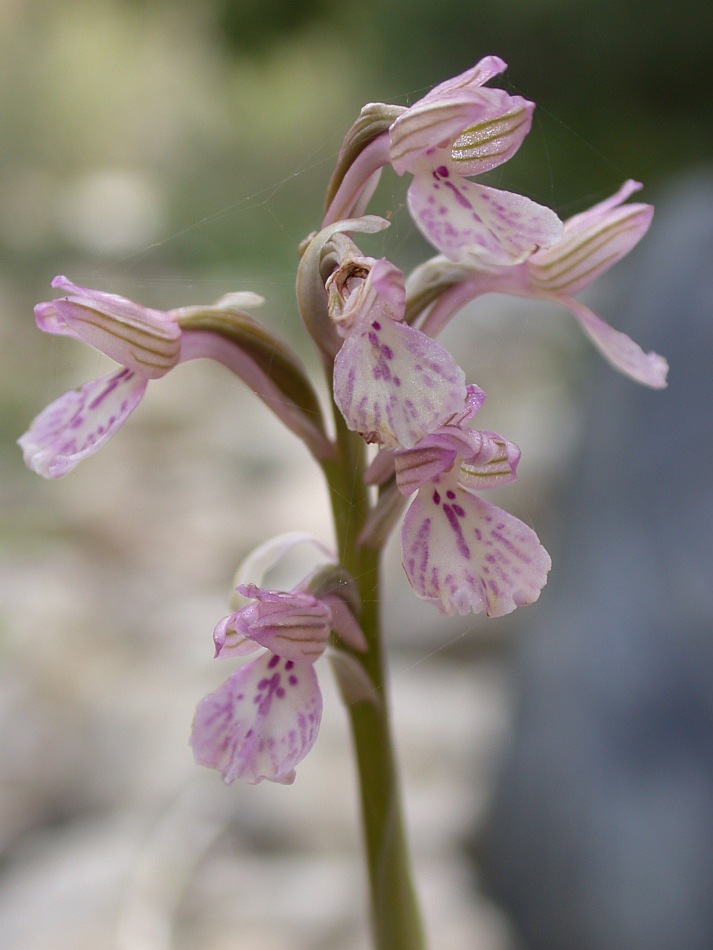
column 601, row 836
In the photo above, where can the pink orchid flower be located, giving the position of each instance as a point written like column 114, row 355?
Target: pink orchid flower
column 459, row 552
column 265, row 718
column 148, row 344
column 392, row 383
column 145, row 342
column 459, row 129
column 592, row 243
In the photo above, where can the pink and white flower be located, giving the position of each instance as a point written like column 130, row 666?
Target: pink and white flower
column 145, row 342
column 460, row 129
column 265, row 718
column 459, row 552
column 392, row 383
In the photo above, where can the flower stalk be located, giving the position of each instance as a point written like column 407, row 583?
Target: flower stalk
column 395, row 916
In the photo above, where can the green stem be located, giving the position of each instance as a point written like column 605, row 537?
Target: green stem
column 396, row 919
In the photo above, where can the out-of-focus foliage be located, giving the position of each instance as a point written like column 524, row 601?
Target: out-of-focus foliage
column 625, row 78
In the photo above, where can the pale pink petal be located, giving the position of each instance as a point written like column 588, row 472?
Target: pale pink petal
column 602, row 209
column 49, row 321
column 393, row 384
column 492, row 138
column 478, row 225
column 77, row 424
column 493, row 462
column 294, row 625
column 435, row 453
column 589, row 248
column 465, row 555
column 260, row 723
column 618, row 348
column 144, row 341
column 230, row 638
column 444, row 112
column 362, row 289
column 481, row 123
column 484, row 70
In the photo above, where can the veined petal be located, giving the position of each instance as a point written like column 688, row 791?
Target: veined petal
column 493, row 139
column 78, row 423
column 618, row 348
column 230, row 638
column 435, row 453
column 436, row 123
column 484, row 70
column 260, row 723
column 463, row 554
column 600, row 211
column 445, row 111
column 493, row 462
column 393, row 384
column 147, row 341
column 478, row 225
column 590, row 249
column 49, row 321
column 294, row 625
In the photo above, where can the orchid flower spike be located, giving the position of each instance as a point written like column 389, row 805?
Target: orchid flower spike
column 592, row 243
column 265, row 718
column 392, row 383
column 459, row 552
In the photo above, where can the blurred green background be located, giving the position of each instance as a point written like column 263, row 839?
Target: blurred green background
column 174, row 151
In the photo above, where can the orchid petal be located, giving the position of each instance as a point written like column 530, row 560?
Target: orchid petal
column 591, row 244
column 294, row 625
column 463, row 554
column 484, row 70
column 49, row 321
column 147, row 341
column 485, row 124
column 260, row 723
column 600, row 211
column 479, row 225
column 435, row 453
column 393, row 384
column 618, row 348
column 230, row 638
column 493, row 139
column 263, row 558
column 492, row 463
column 444, row 112
column 362, row 289
column 77, row 424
